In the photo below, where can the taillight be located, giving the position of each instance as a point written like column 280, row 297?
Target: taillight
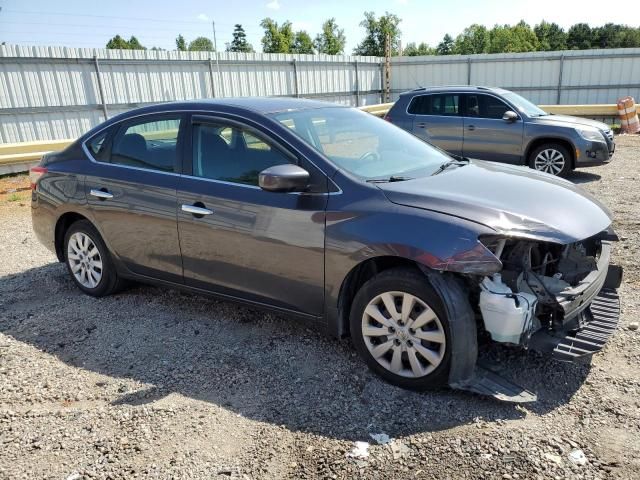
column 35, row 173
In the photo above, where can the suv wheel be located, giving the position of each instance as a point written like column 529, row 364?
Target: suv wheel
column 551, row 158
column 401, row 330
column 88, row 260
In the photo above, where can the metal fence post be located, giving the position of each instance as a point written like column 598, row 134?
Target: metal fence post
column 468, row 70
column 381, row 82
column 100, row 88
column 211, row 76
column 560, row 80
column 355, row 64
column 295, row 78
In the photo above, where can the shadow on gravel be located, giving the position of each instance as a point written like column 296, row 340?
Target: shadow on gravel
column 582, row 176
column 258, row 365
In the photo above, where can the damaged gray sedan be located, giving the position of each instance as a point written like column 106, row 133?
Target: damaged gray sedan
column 333, row 216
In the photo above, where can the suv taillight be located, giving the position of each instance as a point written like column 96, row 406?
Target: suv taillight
column 35, row 173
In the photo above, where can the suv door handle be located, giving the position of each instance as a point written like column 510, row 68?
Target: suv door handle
column 101, row 194
column 471, row 127
column 422, row 125
column 196, row 210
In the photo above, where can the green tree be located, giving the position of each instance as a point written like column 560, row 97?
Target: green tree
column 181, row 44
column 413, row 50
column 474, row 39
column 118, row 43
column 445, row 47
column 517, row 38
column 630, row 38
column 302, row 43
column 239, row 42
column 377, row 30
column 331, row 40
column 201, row 44
column 551, row 36
column 276, row 39
column 579, row 37
column 134, row 44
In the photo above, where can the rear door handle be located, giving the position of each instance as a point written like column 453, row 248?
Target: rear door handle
column 471, row 127
column 196, row 210
column 101, row 194
column 422, row 125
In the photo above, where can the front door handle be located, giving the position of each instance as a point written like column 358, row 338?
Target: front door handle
column 196, row 211
column 471, row 127
column 422, row 125
column 101, row 194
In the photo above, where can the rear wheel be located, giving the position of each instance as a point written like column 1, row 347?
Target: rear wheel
column 551, row 158
column 400, row 328
column 88, row 260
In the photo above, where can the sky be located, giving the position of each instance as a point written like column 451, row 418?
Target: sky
column 85, row 23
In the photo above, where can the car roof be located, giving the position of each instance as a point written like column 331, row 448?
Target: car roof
column 457, row 88
column 263, row 105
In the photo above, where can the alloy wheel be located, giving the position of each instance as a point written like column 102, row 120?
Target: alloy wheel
column 403, row 334
column 84, row 260
column 549, row 160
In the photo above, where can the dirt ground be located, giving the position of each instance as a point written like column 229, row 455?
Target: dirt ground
column 154, row 383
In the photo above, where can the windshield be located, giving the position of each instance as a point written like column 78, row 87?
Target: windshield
column 523, row 105
column 362, row 144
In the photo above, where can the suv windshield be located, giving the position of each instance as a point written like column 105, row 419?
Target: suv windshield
column 523, row 105
column 362, row 144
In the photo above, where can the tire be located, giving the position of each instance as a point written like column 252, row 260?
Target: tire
column 552, row 158
column 397, row 363
column 93, row 273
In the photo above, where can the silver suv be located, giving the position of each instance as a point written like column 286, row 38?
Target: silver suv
column 499, row 125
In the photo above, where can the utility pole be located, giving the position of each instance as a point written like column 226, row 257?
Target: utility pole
column 387, row 68
column 215, row 47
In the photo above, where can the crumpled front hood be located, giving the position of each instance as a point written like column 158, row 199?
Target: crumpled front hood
column 512, row 200
column 575, row 122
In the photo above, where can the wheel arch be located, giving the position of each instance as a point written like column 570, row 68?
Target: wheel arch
column 62, row 226
column 537, row 142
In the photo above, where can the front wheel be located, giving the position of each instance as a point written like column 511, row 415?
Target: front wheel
column 551, row 158
column 401, row 330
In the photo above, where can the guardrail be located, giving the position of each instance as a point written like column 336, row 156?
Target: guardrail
column 19, row 157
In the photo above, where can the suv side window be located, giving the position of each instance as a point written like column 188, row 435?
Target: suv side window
column 148, row 144
column 442, row 105
column 238, row 161
column 485, row 106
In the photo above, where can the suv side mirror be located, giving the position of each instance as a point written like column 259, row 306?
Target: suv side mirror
column 510, row 116
column 284, row 178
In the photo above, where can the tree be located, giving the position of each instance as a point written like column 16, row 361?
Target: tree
column 411, row 50
column 474, row 39
column 302, row 43
column 377, row 31
column 331, row 40
column 201, row 44
column 519, row 38
column 276, row 39
column 239, row 42
column 579, row 37
column 445, row 47
column 181, row 44
column 551, row 36
column 119, row 43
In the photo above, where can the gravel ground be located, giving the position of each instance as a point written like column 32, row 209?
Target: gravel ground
column 161, row 384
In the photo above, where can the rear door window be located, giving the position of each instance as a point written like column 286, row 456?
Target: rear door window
column 150, row 144
column 441, row 105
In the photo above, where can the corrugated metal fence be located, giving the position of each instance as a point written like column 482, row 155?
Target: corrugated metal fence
column 51, row 93
column 546, row 78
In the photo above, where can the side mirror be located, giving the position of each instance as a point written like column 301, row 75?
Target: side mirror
column 510, row 116
column 284, row 178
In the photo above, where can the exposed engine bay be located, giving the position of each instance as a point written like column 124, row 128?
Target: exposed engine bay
column 536, row 280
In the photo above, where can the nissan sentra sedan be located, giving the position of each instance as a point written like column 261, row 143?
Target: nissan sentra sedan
column 333, row 216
